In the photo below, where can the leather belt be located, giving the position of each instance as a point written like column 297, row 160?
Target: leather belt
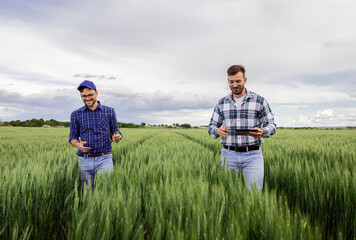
column 242, row 149
column 91, row 155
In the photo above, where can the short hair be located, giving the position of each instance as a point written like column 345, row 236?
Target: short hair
column 235, row 69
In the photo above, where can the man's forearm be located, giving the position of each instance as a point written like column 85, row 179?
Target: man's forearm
column 212, row 130
column 75, row 143
column 269, row 130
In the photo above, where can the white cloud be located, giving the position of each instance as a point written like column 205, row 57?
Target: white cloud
column 158, row 56
column 324, row 118
column 351, row 94
column 10, row 112
column 155, row 108
column 196, row 117
column 326, row 113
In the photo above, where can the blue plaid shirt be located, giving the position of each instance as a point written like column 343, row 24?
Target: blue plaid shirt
column 96, row 127
column 253, row 112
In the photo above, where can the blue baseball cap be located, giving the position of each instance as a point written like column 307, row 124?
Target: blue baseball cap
column 88, row 84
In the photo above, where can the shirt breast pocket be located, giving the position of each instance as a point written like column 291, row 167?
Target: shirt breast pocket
column 104, row 123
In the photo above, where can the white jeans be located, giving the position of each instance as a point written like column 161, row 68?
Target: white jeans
column 250, row 163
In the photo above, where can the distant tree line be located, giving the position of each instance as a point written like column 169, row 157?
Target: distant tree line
column 318, row 128
column 130, row 125
column 36, row 123
column 54, row 123
column 143, row 124
column 174, row 125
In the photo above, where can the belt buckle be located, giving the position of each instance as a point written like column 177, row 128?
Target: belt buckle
column 228, row 147
column 90, row 155
column 241, row 149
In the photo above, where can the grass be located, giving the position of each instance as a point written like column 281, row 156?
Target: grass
column 168, row 184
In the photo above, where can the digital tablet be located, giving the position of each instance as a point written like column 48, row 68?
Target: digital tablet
column 245, row 131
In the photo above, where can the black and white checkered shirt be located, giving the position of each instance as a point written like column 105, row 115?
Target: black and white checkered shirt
column 253, row 112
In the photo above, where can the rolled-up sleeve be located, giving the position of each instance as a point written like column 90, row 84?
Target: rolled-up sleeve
column 215, row 122
column 74, row 127
column 267, row 119
column 113, row 124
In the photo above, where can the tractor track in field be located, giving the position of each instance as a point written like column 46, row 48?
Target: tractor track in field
column 123, row 151
column 210, row 147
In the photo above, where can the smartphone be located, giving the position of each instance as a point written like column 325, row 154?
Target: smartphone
column 245, row 131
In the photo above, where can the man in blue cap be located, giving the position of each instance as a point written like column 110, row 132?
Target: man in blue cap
column 95, row 125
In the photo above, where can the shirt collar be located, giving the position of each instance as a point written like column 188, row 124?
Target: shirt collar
column 247, row 96
column 86, row 108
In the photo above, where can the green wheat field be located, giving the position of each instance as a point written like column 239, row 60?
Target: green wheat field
column 168, row 184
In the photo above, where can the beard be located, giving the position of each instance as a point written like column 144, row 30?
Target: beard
column 89, row 103
column 238, row 90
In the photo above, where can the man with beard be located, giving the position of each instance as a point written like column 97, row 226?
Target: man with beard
column 241, row 119
column 95, row 125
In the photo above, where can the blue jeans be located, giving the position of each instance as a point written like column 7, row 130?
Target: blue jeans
column 90, row 166
column 250, row 163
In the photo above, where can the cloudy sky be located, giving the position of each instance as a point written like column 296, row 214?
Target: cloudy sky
column 164, row 62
